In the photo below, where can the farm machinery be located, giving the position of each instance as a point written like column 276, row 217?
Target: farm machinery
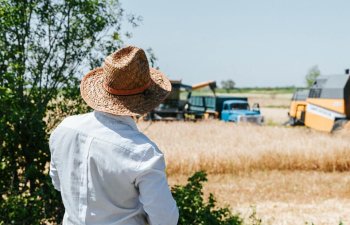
column 325, row 106
column 175, row 106
column 182, row 105
column 225, row 107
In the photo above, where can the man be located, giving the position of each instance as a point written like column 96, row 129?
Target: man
column 107, row 171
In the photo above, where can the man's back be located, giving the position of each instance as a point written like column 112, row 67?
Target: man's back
column 109, row 173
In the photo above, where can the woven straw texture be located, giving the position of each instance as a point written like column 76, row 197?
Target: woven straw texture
column 125, row 70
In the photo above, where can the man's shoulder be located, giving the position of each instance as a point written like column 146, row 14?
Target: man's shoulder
column 120, row 133
column 76, row 120
column 71, row 122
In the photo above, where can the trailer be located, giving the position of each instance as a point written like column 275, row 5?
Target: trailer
column 175, row 106
column 209, row 106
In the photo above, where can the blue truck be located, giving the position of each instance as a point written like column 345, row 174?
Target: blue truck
column 240, row 111
column 226, row 108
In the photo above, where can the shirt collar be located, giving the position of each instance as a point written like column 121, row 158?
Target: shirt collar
column 123, row 119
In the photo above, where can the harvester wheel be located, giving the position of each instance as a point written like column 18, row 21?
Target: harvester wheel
column 146, row 117
column 339, row 124
column 290, row 122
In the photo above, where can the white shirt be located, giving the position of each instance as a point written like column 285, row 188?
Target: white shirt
column 109, row 173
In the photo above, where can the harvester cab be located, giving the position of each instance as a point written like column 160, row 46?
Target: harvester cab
column 326, row 106
column 298, row 107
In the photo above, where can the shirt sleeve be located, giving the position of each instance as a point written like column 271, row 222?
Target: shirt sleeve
column 155, row 194
column 53, row 170
column 54, row 176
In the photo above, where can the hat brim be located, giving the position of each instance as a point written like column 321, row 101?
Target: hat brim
column 99, row 99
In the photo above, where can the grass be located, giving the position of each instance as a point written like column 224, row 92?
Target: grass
column 260, row 90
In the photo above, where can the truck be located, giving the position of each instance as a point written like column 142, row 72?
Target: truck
column 239, row 111
column 227, row 108
column 323, row 107
column 174, row 107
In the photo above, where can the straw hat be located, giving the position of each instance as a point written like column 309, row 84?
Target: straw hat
column 125, row 84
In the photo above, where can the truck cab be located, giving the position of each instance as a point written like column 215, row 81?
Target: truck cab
column 239, row 111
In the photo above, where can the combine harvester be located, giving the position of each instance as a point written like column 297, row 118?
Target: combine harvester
column 325, row 107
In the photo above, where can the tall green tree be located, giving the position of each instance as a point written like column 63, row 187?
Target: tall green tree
column 228, row 85
column 312, row 75
column 44, row 46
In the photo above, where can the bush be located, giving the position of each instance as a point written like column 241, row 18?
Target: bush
column 193, row 209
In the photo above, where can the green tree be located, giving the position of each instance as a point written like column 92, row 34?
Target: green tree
column 44, row 46
column 312, row 75
column 228, row 85
column 152, row 58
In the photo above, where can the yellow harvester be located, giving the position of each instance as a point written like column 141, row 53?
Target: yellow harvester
column 325, row 106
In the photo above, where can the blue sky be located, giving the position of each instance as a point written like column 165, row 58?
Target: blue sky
column 254, row 42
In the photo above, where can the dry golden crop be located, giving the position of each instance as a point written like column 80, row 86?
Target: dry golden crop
column 292, row 175
column 220, row 147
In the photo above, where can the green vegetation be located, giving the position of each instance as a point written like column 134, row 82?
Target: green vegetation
column 44, row 44
column 193, row 209
column 260, row 90
column 228, row 85
column 246, row 90
column 312, row 75
column 307, row 223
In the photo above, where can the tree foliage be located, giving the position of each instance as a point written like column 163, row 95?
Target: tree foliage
column 228, row 85
column 312, row 75
column 152, row 58
column 44, row 46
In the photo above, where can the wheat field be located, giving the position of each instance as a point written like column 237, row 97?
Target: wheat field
column 291, row 175
column 221, row 148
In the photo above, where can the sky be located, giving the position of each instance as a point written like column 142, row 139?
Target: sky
column 256, row 43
